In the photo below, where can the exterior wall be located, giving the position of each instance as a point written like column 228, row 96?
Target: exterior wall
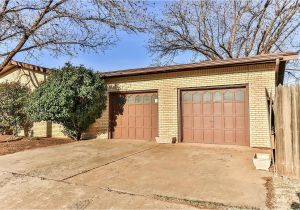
column 258, row 77
column 33, row 79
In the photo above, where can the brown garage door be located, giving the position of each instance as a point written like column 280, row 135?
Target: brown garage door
column 134, row 116
column 215, row 116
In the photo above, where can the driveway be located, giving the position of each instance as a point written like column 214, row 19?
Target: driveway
column 131, row 174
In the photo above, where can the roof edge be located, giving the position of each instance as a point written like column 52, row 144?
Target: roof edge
column 267, row 58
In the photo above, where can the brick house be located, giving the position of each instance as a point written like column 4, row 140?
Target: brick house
column 214, row 102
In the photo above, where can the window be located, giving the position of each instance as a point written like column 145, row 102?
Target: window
column 196, row 97
column 206, row 96
column 130, row 100
column 154, row 99
column 217, row 96
column 146, row 99
column 239, row 95
column 138, row 99
column 187, row 97
column 228, row 96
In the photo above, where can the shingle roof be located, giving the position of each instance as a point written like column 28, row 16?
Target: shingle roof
column 202, row 65
column 13, row 64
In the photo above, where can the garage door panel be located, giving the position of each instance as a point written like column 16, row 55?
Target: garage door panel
column 188, row 122
column 188, row 134
column 132, row 132
column 125, row 133
column 229, row 136
column 240, row 122
column 219, row 116
column 228, row 108
column 139, row 110
column 198, row 136
column 208, row 122
column 147, row 133
column 218, row 122
column 207, row 109
column 217, row 109
column 154, row 122
column 137, row 118
column 139, row 122
column 139, row 133
column 188, row 109
column 198, row 122
column 147, row 122
column 229, row 122
column 208, row 136
column 147, row 110
column 197, row 109
column 131, row 110
column 218, row 136
column 131, row 121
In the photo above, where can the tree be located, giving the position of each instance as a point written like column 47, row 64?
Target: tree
column 64, row 26
column 225, row 29
column 72, row 96
column 13, row 117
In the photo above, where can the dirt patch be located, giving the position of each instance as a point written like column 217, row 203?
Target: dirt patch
column 25, row 144
column 198, row 203
column 270, row 192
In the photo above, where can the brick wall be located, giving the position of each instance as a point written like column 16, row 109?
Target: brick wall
column 258, row 77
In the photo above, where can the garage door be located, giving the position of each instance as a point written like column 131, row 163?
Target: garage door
column 215, row 116
column 134, row 116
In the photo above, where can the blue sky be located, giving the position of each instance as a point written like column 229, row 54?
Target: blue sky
column 130, row 52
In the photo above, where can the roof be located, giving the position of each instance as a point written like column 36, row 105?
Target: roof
column 16, row 64
column 203, row 65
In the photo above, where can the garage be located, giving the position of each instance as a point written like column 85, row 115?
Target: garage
column 134, row 115
column 215, row 116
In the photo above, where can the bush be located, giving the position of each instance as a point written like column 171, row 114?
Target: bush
column 13, row 117
column 72, row 96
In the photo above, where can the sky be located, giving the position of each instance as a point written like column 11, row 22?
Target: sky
column 129, row 52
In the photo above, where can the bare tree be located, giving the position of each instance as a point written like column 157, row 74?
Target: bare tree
column 213, row 29
column 64, row 26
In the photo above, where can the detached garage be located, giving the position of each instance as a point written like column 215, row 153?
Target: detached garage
column 212, row 102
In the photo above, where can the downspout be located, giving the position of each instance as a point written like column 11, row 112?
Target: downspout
column 277, row 71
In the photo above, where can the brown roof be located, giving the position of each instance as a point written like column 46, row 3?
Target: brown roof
column 16, row 64
column 203, row 65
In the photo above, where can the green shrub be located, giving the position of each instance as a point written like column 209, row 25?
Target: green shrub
column 72, row 96
column 13, row 117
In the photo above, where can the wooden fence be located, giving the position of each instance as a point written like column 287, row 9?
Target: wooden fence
column 287, row 130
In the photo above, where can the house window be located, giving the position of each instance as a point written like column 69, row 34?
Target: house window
column 187, row 97
column 206, row 96
column 228, row 96
column 217, row 96
column 239, row 95
column 130, row 100
column 138, row 99
column 196, row 97
column 146, row 99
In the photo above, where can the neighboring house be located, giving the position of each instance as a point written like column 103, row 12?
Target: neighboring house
column 32, row 76
column 215, row 102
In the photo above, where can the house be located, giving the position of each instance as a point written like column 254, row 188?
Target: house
column 214, row 102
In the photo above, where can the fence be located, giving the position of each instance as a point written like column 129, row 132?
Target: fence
column 287, row 130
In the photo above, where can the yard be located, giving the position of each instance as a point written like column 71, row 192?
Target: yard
column 132, row 174
column 8, row 145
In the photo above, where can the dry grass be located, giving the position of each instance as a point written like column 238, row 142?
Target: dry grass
column 21, row 144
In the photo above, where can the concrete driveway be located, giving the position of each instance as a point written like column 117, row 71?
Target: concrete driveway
column 131, row 174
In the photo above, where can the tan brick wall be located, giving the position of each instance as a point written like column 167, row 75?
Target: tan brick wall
column 258, row 77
